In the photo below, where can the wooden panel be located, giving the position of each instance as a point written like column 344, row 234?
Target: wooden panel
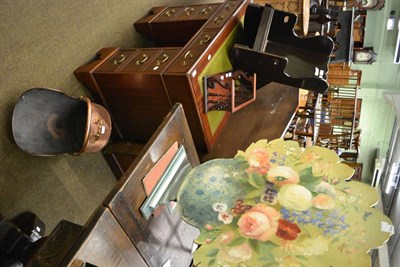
column 197, row 12
column 136, row 95
column 166, row 236
column 104, row 243
column 225, row 13
column 192, row 52
column 183, row 95
column 143, row 25
column 162, row 61
column 83, row 73
column 141, row 59
column 118, row 60
column 183, row 79
column 120, row 155
column 267, row 118
column 169, row 14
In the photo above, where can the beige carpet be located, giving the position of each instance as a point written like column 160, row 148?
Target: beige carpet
column 41, row 43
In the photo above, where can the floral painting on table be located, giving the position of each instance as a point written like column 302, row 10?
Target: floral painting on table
column 277, row 204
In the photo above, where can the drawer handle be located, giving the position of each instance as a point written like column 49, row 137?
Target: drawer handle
column 205, row 40
column 206, row 10
column 165, row 58
column 228, row 7
column 188, row 55
column 188, row 10
column 169, row 13
column 119, row 61
column 159, row 62
column 143, row 60
column 217, row 20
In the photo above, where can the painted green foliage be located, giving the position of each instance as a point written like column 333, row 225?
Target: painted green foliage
column 276, row 204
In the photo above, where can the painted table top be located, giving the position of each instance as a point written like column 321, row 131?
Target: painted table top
column 277, row 204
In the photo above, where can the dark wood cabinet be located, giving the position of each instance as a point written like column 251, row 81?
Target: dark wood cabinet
column 161, row 23
column 139, row 86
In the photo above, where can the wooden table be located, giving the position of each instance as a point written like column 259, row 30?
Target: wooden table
column 267, row 118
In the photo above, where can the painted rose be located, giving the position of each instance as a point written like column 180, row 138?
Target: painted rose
column 287, row 230
column 282, row 175
column 323, row 201
column 233, row 254
column 295, row 197
column 258, row 160
column 260, row 222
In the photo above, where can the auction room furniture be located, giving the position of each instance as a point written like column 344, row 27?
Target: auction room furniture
column 140, row 85
column 138, row 90
column 118, row 234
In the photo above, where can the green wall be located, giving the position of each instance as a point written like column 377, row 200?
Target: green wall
column 377, row 115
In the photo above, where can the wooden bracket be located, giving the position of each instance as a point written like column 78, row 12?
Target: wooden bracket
column 229, row 91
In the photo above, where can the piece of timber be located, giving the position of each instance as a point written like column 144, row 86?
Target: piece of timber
column 103, row 243
column 166, row 236
column 267, row 118
column 207, row 53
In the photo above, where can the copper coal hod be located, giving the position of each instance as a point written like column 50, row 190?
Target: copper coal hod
column 47, row 122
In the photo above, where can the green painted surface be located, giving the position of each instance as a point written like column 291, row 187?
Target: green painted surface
column 220, row 63
column 275, row 204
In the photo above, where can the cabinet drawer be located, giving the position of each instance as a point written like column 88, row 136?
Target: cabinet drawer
column 177, row 25
column 141, row 59
column 160, row 62
column 223, row 14
column 206, row 11
column 117, row 61
column 193, row 51
column 196, row 12
column 168, row 14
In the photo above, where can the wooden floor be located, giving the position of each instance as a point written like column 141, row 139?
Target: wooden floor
column 266, row 118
